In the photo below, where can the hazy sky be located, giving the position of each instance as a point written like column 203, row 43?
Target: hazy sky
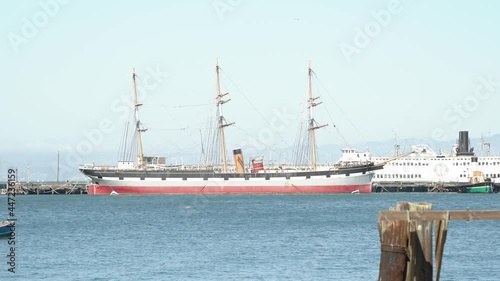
column 424, row 69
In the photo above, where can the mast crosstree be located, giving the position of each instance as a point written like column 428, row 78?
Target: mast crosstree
column 221, row 120
column 312, row 124
column 138, row 126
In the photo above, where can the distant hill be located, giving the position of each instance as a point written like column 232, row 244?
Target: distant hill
column 43, row 164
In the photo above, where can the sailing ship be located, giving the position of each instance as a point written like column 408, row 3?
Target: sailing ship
column 151, row 175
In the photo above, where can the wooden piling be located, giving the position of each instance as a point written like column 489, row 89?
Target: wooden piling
column 441, row 227
column 420, row 246
column 393, row 241
column 406, row 239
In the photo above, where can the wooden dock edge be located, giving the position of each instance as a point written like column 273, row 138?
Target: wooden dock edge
column 406, row 239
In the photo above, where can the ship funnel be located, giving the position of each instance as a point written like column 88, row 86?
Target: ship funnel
column 238, row 161
column 463, row 144
column 257, row 165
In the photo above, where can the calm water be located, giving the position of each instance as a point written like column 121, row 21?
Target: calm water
column 258, row 237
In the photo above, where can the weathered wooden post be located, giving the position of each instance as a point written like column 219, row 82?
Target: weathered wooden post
column 406, row 239
column 420, row 246
column 441, row 228
column 393, row 241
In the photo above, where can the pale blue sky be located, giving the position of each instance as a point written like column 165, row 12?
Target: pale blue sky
column 413, row 77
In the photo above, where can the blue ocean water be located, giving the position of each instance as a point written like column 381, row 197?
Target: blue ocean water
column 230, row 237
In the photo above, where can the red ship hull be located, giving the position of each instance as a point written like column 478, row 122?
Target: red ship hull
column 96, row 189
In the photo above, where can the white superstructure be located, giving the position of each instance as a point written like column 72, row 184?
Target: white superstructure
column 424, row 165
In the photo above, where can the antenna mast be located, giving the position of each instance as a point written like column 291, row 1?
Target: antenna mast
column 221, row 119
column 487, row 144
column 312, row 127
column 396, row 145
column 138, row 123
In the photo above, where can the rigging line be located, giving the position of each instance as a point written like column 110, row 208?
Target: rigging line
column 170, row 142
column 225, row 121
column 202, row 158
column 304, row 144
column 127, row 136
column 120, row 149
column 299, row 140
column 209, row 137
column 192, row 105
column 158, row 129
column 130, row 141
column 124, row 142
column 132, row 153
column 193, row 124
column 209, row 132
column 216, row 151
column 254, row 107
column 213, row 143
column 335, row 102
column 344, row 140
column 298, row 145
column 183, row 151
column 170, row 114
column 339, row 136
column 265, row 145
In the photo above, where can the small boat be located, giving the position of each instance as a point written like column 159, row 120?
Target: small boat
column 479, row 184
column 5, row 228
column 483, row 188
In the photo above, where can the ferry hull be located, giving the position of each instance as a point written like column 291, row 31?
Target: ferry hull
column 96, row 189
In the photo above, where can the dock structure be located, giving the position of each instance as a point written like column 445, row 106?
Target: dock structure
column 53, row 188
column 422, row 187
column 406, row 239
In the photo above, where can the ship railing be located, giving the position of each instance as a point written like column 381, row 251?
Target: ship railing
column 352, row 164
column 276, row 168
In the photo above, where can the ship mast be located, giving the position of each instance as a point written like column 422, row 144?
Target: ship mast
column 487, row 144
column 138, row 123
column 312, row 125
column 221, row 119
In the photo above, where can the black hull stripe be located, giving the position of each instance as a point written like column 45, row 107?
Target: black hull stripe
column 211, row 174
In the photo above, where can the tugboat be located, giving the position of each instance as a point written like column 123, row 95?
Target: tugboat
column 479, row 184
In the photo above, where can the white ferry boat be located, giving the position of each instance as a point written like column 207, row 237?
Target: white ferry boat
column 423, row 165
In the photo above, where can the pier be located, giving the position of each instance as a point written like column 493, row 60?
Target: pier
column 52, row 188
column 422, row 187
column 406, row 239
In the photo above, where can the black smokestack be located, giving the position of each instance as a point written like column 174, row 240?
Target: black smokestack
column 463, row 144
